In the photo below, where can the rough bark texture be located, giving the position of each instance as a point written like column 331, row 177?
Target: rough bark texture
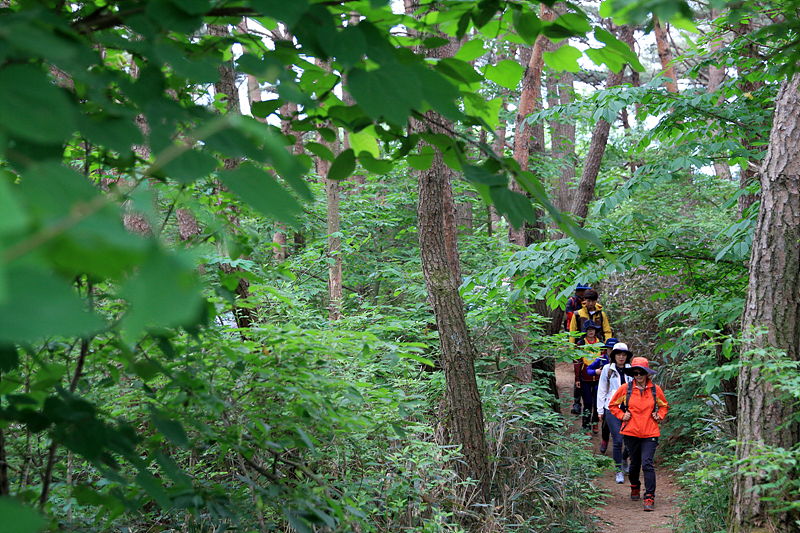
column 528, row 138
column 245, row 316
column 716, row 76
column 435, row 206
column 747, row 176
column 562, row 133
column 773, row 303
column 457, row 355
column 665, row 55
column 332, row 191
column 594, row 157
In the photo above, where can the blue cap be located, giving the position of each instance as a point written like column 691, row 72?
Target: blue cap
column 611, row 342
column 582, row 287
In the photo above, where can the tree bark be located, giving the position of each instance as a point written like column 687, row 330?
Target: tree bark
column 245, row 316
column 436, row 233
column 748, row 176
column 773, row 304
column 665, row 55
column 594, row 158
column 562, row 133
column 716, row 76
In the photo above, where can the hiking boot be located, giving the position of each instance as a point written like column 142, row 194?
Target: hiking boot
column 634, row 492
column 603, row 446
column 620, row 478
column 594, row 429
column 649, row 501
column 576, row 409
column 625, row 467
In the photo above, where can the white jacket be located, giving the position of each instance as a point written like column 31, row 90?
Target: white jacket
column 610, row 381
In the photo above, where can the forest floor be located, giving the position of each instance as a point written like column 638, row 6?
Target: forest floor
column 621, row 514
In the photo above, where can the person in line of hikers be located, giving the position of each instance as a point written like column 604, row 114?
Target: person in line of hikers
column 595, row 369
column 641, row 406
column 611, row 378
column 583, row 380
column 574, row 303
column 593, row 311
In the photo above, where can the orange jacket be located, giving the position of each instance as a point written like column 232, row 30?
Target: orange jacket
column 641, row 424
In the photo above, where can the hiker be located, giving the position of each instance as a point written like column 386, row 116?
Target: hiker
column 640, row 405
column 583, row 380
column 594, row 370
column 593, row 311
column 611, row 378
column 574, row 303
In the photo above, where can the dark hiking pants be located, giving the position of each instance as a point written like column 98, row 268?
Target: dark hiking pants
column 642, row 452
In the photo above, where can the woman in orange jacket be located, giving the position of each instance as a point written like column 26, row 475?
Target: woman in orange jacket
column 640, row 405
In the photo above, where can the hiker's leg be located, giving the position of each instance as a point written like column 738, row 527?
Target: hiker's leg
column 595, row 418
column 606, row 429
column 635, row 449
column 648, row 448
column 586, row 393
column 614, row 424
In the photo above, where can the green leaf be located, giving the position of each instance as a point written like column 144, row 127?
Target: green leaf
column 266, row 108
column 423, row 160
column 165, row 293
column 320, row 150
column 115, row 133
column 507, row 73
column 482, row 176
column 365, row 141
column 528, row 25
column 190, row 166
column 171, row 429
column 458, row 70
column 53, row 190
column 380, row 95
column 262, row 192
column 343, row 166
column 515, row 206
column 14, row 218
column 375, row 166
column 55, row 305
column 565, row 58
column 33, row 108
column 18, row 518
column 471, row 50
column 439, row 92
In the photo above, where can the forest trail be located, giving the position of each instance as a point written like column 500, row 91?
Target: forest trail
column 621, row 514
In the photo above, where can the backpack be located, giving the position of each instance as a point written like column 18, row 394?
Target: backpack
column 575, row 303
column 624, row 406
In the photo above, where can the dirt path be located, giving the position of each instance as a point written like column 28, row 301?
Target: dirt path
column 621, row 514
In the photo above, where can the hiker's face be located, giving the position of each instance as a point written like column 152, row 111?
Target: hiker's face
column 579, row 294
column 641, row 380
column 591, row 333
column 619, row 358
column 589, row 304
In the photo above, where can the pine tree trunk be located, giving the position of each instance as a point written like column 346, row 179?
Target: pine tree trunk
column 665, row 55
column 773, row 304
column 442, row 273
column 594, row 158
column 716, row 76
column 747, row 176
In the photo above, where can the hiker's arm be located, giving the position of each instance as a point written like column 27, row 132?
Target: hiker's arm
column 606, row 327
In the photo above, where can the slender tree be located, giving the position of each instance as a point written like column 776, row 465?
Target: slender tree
column 436, row 224
column 767, row 423
column 665, row 55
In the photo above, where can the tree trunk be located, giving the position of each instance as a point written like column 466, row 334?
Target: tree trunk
column 594, row 158
column 765, row 421
column 716, row 76
column 436, row 233
column 562, row 133
column 332, row 190
column 747, row 176
column 665, row 55
column 245, row 316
